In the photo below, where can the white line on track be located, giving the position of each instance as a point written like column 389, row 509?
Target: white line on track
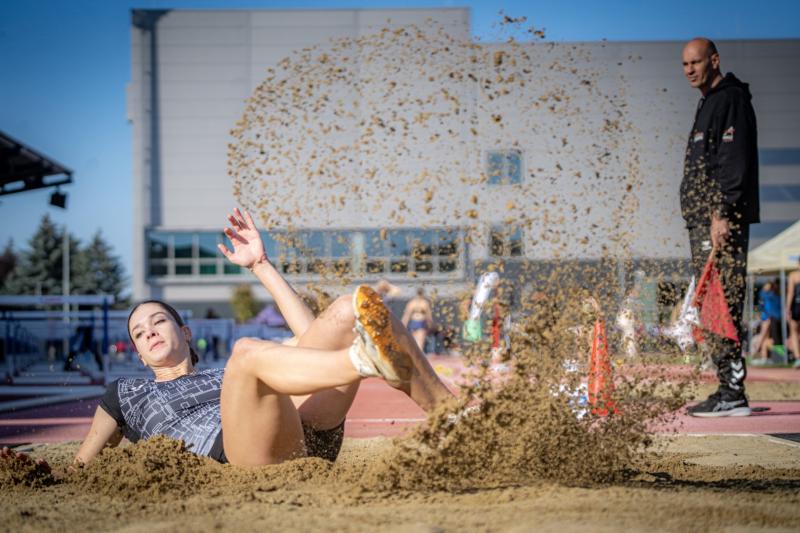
column 383, row 420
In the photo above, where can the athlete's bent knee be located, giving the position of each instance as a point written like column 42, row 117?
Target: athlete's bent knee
column 245, row 351
column 340, row 312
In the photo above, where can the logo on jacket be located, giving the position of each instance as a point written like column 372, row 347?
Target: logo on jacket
column 697, row 137
column 727, row 135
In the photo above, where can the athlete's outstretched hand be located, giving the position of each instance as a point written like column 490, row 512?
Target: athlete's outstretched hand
column 248, row 249
column 38, row 467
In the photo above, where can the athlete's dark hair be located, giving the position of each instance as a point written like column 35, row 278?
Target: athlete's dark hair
column 175, row 316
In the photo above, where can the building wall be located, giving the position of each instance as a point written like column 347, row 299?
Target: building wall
column 192, row 72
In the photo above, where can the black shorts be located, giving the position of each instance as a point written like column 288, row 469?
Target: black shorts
column 322, row 443
column 775, row 330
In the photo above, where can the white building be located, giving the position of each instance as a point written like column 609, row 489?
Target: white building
column 549, row 153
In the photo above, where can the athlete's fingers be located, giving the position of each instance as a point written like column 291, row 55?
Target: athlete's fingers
column 233, row 235
column 240, row 218
column 249, row 220
column 234, row 222
column 227, row 253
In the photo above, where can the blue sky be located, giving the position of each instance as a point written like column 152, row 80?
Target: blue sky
column 64, row 65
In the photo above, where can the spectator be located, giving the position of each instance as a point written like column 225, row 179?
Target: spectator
column 793, row 314
column 770, row 329
column 418, row 317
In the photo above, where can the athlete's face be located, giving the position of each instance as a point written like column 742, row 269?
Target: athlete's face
column 159, row 340
column 699, row 65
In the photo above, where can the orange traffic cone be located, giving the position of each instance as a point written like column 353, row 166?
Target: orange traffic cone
column 601, row 379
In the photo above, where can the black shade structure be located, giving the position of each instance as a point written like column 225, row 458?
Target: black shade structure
column 24, row 169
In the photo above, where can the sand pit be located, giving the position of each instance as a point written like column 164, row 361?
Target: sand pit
column 689, row 486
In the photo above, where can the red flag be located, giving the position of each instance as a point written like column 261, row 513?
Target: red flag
column 709, row 298
column 601, row 379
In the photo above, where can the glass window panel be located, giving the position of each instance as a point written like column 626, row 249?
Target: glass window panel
column 513, row 167
column 158, row 246
column 158, row 269
column 291, row 267
column 398, row 243
column 447, row 242
column 504, row 167
column 423, row 266
column 315, row 244
column 340, row 244
column 270, row 244
column 183, row 245
column 494, row 167
column 447, row 266
column 342, row 266
column 496, row 242
column 515, row 242
column 374, row 246
column 376, row 267
column 207, row 244
column 399, row 266
column 184, row 269
column 316, row 266
column 290, row 244
column 230, row 268
column 208, row 269
column 421, row 243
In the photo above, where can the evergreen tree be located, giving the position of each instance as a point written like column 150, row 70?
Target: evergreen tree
column 40, row 267
column 244, row 303
column 97, row 270
column 8, row 261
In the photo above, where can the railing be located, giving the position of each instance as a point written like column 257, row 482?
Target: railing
column 37, row 338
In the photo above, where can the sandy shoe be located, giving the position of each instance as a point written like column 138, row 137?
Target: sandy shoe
column 361, row 361
column 376, row 349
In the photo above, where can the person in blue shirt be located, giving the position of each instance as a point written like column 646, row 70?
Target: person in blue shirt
column 769, row 301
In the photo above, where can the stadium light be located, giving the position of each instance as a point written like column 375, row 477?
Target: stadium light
column 58, row 199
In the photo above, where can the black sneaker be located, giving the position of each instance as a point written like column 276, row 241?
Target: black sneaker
column 715, row 406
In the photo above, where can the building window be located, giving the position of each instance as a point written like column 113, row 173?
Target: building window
column 317, row 252
column 207, row 253
column 504, row 167
column 313, row 253
column 505, row 241
column 158, row 246
column 423, row 252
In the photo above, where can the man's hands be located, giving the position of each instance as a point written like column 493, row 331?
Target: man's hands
column 248, row 249
column 720, row 231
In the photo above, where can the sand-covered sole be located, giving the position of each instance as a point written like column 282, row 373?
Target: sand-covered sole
column 374, row 324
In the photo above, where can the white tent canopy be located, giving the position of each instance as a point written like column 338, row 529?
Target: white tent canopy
column 780, row 253
column 775, row 257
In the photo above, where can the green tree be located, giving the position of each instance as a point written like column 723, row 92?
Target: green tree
column 243, row 303
column 40, row 267
column 8, row 261
column 98, row 270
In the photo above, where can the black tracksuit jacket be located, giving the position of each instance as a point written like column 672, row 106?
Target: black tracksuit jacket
column 721, row 168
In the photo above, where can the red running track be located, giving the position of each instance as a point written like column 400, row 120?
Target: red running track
column 379, row 410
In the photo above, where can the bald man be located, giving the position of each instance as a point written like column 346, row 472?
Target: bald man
column 719, row 201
